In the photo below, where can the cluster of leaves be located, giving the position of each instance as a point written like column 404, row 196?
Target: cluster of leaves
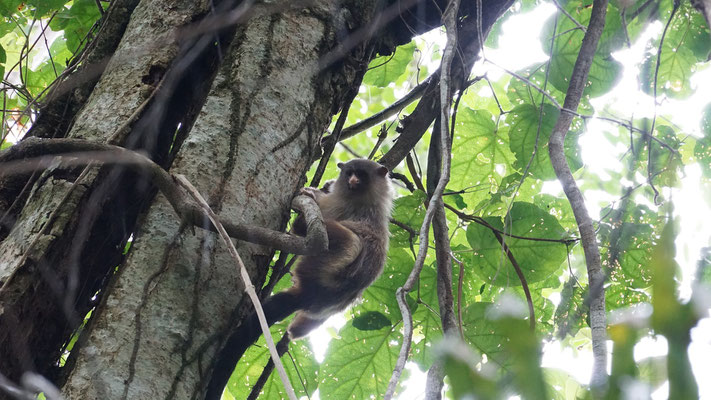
column 499, row 167
column 38, row 38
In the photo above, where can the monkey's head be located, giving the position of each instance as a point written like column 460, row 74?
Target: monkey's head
column 362, row 177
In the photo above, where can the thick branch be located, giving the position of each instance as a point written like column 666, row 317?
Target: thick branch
column 32, row 154
column 577, row 202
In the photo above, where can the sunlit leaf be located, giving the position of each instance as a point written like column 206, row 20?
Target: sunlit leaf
column 537, row 259
column 482, row 155
column 256, row 357
column 359, row 363
column 387, row 69
column 525, row 137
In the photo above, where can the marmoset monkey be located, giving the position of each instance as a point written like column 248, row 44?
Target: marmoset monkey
column 356, row 210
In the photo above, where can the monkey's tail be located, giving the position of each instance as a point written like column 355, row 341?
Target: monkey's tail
column 276, row 308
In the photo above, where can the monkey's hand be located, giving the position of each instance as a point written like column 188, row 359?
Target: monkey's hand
column 314, row 193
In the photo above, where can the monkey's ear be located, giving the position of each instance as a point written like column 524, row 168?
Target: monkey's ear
column 382, row 171
column 340, row 165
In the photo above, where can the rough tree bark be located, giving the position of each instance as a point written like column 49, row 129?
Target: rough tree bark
column 237, row 108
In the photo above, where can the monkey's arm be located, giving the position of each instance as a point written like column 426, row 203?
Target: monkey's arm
column 299, row 227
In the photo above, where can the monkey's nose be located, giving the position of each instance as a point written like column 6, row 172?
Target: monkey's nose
column 353, row 182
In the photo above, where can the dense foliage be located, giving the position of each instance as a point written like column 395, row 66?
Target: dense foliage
column 500, row 184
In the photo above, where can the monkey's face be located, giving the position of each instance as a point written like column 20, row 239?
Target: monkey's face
column 360, row 176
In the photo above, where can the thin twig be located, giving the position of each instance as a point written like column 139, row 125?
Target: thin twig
column 460, row 285
column 521, row 278
column 381, row 116
column 654, row 118
column 570, row 17
column 249, row 288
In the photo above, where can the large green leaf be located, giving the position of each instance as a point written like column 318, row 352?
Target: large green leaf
column 302, row 371
column 689, row 29
column 604, row 71
column 9, row 7
column 3, row 57
column 45, row 7
column 76, row 22
column 537, row 259
column 380, row 296
column 387, row 69
column 359, row 363
column 676, row 65
column 481, row 155
column 482, row 334
column 525, row 136
column 409, row 210
column 571, row 311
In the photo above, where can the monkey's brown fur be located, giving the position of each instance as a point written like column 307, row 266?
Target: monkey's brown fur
column 356, row 210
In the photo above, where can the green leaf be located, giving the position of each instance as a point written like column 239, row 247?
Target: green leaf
column 482, row 334
column 520, row 92
column 380, row 296
column 76, row 22
column 460, row 366
column 359, row 363
column 387, row 69
column 371, row 321
column 481, row 155
column 571, row 311
column 524, row 135
column 686, row 43
column 561, row 386
column 44, row 7
column 3, row 58
column 537, row 259
column 620, row 296
column 702, row 150
column 689, row 29
column 604, row 71
column 409, row 210
column 675, row 68
column 256, row 357
column 9, row 7
column 426, row 320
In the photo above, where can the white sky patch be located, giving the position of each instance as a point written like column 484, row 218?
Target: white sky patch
column 520, row 42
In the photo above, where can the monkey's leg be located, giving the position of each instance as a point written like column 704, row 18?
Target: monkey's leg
column 276, row 308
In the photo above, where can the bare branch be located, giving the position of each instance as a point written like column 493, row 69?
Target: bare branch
column 587, row 231
column 449, row 18
column 381, row 116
